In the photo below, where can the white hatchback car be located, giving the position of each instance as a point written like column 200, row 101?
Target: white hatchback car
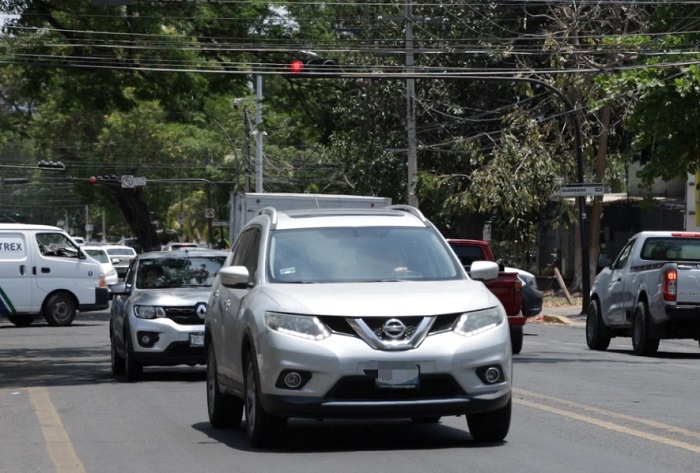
column 157, row 313
column 352, row 313
column 99, row 253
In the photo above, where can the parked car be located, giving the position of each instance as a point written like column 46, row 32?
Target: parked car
column 354, row 313
column 157, row 314
column 98, row 253
column 175, row 245
column 533, row 299
column 78, row 240
column 121, row 257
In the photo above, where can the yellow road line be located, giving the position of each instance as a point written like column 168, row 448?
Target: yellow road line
column 611, row 425
column 58, row 443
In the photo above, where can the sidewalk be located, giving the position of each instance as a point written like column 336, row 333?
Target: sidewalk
column 565, row 314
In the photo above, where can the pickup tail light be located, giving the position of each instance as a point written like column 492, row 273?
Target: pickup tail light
column 670, row 285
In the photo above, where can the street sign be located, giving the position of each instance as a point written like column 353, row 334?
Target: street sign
column 581, row 190
column 129, row 182
column 220, row 223
column 209, row 213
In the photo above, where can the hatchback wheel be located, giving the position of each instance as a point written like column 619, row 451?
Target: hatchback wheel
column 118, row 363
column 133, row 369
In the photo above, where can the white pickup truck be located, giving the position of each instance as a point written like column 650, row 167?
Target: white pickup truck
column 650, row 292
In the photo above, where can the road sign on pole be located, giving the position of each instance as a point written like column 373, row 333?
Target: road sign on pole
column 581, row 190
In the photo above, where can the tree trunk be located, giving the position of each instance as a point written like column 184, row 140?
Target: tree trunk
column 138, row 217
column 604, row 118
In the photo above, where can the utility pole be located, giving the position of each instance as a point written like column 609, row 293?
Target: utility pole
column 411, row 108
column 246, row 132
column 258, row 135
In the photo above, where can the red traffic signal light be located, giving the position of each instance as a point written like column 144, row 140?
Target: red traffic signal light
column 103, row 179
column 296, row 66
column 318, row 65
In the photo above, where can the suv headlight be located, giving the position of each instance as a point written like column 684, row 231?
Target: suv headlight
column 472, row 323
column 148, row 311
column 303, row 326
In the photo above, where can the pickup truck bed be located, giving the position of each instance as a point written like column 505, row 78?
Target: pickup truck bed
column 650, row 292
column 507, row 287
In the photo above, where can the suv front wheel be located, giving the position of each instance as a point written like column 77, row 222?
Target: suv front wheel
column 224, row 410
column 263, row 429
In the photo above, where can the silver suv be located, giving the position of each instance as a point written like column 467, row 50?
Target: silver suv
column 351, row 313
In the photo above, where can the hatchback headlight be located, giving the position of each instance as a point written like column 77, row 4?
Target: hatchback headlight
column 148, row 311
column 472, row 323
column 303, row 326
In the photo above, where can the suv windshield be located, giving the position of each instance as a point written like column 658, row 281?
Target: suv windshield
column 352, row 254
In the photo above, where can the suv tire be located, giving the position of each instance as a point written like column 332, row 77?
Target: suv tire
column 490, row 426
column 263, row 429
column 224, row 410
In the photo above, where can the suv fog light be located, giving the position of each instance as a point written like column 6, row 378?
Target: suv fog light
column 290, row 379
column 491, row 374
column 147, row 339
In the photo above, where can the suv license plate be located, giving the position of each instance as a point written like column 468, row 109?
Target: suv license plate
column 196, row 339
column 397, row 376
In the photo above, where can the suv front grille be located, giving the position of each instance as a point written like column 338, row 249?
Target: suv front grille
column 362, row 388
column 183, row 315
column 372, row 329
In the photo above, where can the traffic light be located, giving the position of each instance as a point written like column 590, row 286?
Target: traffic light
column 318, row 66
column 110, row 179
column 54, row 165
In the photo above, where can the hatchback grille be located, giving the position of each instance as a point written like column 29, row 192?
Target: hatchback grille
column 183, row 315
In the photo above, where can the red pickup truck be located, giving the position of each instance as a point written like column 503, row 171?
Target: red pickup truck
column 507, row 287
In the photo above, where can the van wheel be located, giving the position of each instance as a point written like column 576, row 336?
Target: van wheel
column 59, row 309
column 20, row 320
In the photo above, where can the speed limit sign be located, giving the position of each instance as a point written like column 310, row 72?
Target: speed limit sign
column 209, row 213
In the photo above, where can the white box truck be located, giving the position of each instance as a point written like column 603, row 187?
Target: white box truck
column 245, row 205
column 44, row 272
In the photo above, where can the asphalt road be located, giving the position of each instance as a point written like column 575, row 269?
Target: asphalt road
column 574, row 410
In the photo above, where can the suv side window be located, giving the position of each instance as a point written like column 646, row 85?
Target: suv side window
column 246, row 249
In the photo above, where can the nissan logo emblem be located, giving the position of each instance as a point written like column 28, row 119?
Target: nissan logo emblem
column 394, row 329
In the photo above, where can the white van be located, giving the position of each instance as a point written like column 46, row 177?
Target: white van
column 43, row 272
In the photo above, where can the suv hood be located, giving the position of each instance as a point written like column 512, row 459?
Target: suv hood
column 383, row 299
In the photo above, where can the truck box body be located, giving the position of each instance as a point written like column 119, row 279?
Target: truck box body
column 244, row 205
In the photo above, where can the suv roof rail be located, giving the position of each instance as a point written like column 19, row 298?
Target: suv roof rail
column 408, row 208
column 271, row 211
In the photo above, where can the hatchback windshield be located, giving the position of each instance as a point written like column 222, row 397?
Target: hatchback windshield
column 178, row 272
column 359, row 254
